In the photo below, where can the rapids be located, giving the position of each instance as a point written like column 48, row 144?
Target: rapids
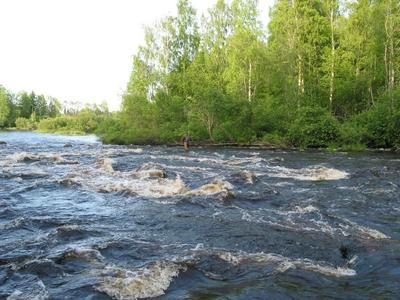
column 93, row 221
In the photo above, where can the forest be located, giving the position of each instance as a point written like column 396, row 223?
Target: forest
column 28, row 111
column 323, row 73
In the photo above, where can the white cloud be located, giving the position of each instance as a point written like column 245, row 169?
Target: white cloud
column 77, row 50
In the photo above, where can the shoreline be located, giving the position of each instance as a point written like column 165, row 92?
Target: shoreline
column 264, row 147
column 233, row 145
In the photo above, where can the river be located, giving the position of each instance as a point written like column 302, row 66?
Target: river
column 82, row 220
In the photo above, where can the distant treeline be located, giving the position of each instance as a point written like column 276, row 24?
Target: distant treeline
column 28, row 111
column 324, row 73
column 25, row 107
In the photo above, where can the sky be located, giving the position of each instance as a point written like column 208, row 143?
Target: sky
column 78, row 50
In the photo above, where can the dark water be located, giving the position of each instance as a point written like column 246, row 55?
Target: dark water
column 97, row 222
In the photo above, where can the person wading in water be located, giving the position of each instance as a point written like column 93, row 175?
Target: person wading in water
column 186, row 139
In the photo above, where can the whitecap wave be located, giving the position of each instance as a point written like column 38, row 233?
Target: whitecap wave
column 295, row 221
column 146, row 282
column 150, row 170
column 285, row 263
column 156, row 188
column 364, row 231
column 215, row 187
column 87, row 254
column 21, row 157
column 309, row 174
column 107, row 164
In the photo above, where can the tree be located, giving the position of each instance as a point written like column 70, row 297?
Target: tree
column 392, row 45
column 54, row 107
column 187, row 36
column 4, row 107
column 25, row 106
column 41, row 108
column 234, row 81
column 332, row 13
column 206, row 97
column 299, row 33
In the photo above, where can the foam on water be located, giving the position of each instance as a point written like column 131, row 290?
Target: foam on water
column 309, row 174
column 13, row 224
column 107, row 164
column 146, row 282
column 154, row 188
column 215, row 187
column 285, row 263
column 294, row 221
column 31, row 157
column 364, row 231
column 82, row 253
column 305, row 210
column 147, row 181
column 150, row 170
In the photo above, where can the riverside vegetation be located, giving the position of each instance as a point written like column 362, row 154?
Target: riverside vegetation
column 28, row 111
column 325, row 73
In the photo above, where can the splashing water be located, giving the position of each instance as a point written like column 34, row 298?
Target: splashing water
column 93, row 221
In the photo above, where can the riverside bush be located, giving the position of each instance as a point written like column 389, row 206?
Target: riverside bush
column 25, row 124
column 378, row 127
column 82, row 123
column 313, row 127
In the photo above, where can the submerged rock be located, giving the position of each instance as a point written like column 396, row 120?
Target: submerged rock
column 3, row 143
column 344, row 251
column 67, row 145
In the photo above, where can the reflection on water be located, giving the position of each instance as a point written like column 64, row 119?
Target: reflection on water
column 79, row 219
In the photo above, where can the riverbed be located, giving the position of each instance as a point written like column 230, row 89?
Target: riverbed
column 83, row 220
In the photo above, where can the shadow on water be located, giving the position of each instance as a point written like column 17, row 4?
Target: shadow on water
column 99, row 222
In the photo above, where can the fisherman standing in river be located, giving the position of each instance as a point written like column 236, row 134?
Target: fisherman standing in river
column 186, row 139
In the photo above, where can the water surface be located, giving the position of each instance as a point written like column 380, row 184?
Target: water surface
column 82, row 220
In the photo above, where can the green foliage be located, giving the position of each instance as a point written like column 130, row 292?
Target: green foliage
column 377, row 128
column 25, row 124
column 313, row 128
column 326, row 74
column 275, row 139
column 115, row 130
column 4, row 107
column 26, row 106
column 315, row 81
column 86, row 121
column 353, row 147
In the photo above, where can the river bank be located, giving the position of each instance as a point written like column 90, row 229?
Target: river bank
column 202, row 144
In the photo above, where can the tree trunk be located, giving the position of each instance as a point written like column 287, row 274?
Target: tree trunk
column 300, row 71
column 389, row 52
column 249, row 87
column 331, row 88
